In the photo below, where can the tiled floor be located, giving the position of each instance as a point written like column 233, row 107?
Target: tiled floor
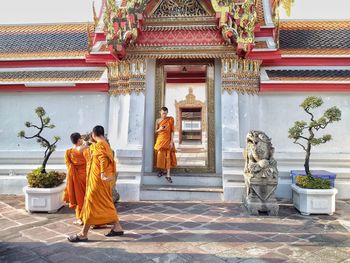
column 177, row 232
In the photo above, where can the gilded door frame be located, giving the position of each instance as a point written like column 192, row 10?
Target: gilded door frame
column 159, row 99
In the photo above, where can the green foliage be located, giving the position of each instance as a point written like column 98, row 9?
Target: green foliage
column 304, row 133
column 45, row 143
column 310, row 182
column 21, row 134
column 38, row 179
column 311, row 102
column 40, row 111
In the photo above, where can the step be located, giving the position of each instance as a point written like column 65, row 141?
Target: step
column 210, row 180
column 183, row 193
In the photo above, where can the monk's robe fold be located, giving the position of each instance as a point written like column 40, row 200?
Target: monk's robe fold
column 76, row 179
column 98, row 206
column 165, row 157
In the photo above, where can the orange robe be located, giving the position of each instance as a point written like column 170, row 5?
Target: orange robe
column 98, row 207
column 165, row 157
column 76, row 179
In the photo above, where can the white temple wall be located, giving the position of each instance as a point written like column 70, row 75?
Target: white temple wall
column 70, row 112
column 274, row 114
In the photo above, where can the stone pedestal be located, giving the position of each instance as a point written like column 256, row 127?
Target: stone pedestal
column 261, row 198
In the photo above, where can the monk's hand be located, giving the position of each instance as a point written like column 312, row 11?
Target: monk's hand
column 106, row 178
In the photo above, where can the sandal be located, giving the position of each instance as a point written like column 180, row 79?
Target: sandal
column 113, row 233
column 160, row 174
column 168, row 178
column 75, row 238
column 78, row 222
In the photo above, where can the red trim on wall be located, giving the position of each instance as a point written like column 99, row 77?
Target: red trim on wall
column 263, row 55
column 99, row 37
column 264, row 32
column 101, row 58
column 49, row 63
column 186, row 80
column 307, row 61
column 93, row 87
column 304, row 87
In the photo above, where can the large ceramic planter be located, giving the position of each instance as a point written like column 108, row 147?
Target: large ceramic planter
column 314, row 201
column 44, row 199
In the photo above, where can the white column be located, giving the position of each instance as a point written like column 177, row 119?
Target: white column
column 149, row 115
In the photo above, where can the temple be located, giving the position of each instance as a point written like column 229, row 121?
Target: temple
column 221, row 67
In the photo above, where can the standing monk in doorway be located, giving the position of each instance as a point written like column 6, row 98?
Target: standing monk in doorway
column 165, row 157
column 98, row 207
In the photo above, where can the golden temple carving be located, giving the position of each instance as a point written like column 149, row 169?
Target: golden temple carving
column 240, row 75
column 126, row 77
column 237, row 22
column 175, row 8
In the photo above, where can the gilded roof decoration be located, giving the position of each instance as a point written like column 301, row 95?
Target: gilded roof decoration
column 175, row 8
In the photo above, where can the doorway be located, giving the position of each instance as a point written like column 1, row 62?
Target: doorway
column 186, row 88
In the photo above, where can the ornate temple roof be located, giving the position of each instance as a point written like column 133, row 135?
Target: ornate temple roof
column 43, row 41
column 309, row 74
column 318, row 38
column 50, row 75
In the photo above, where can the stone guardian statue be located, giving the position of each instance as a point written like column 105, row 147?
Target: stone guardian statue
column 260, row 175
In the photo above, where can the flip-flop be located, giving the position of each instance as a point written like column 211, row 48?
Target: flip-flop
column 113, row 233
column 75, row 238
column 168, row 178
column 160, row 174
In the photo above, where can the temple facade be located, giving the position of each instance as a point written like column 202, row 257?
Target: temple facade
column 222, row 68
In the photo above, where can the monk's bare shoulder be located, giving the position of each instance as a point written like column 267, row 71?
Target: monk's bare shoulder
column 158, row 121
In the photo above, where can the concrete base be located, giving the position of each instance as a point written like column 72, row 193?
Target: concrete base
column 255, row 206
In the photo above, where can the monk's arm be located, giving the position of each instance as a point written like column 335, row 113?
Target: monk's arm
column 156, row 128
column 67, row 159
column 102, row 158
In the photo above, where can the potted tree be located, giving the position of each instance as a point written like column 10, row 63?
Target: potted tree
column 45, row 189
column 313, row 191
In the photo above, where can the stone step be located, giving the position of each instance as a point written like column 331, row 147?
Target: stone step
column 183, row 193
column 201, row 180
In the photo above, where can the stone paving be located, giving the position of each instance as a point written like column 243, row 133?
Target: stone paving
column 177, row 232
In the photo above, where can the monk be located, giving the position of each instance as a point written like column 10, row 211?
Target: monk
column 98, row 207
column 165, row 157
column 75, row 159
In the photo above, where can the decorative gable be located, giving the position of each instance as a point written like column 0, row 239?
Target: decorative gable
column 180, row 8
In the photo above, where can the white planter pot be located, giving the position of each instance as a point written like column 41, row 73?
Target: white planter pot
column 314, row 201
column 44, row 199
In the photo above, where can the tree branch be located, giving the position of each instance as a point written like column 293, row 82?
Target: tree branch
column 312, row 116
column 295, row 141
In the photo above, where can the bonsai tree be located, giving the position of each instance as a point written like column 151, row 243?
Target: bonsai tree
column 45, row 143
column 303, row 133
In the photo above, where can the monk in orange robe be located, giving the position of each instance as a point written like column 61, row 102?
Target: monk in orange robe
column 165, row 157
column 98, row 207
column 75, row 159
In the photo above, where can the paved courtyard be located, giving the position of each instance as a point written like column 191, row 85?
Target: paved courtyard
column 177, row 232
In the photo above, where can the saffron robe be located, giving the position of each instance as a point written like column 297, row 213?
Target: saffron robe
column 98, row 207
column 165, row 157
column 76, row 179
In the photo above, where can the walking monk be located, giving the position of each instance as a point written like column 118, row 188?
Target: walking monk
column 98, row 207
column 76, row 159
column 165, row 157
